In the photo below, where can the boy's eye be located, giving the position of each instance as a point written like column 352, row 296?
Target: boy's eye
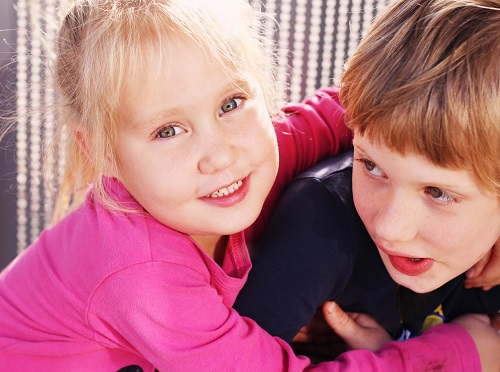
column 230, row 105
column 439, row 194
column 371, row 167
column 169, row 131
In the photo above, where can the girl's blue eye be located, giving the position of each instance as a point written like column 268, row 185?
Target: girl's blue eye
column 170, row 131
column 230, row 105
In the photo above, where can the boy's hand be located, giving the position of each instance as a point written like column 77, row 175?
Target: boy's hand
column 317, row 340
column 485, row 273
column 359, row 331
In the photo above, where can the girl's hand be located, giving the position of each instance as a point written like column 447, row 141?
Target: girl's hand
column 485, row 273
column 486, row 337
column 495, row 321
column 359, row 331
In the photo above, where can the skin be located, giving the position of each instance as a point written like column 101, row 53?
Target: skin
column 429, row 223
column 186, row 132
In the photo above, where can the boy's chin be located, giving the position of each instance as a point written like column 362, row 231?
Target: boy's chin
column 417, row 284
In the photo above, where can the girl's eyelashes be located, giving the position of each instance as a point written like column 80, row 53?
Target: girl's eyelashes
column 230, row 104
column 169, row 131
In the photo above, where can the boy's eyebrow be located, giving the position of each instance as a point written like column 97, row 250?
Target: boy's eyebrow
column 357, row 145
column 463, row 189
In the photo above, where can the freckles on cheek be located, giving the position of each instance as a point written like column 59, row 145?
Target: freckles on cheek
column 359, row 190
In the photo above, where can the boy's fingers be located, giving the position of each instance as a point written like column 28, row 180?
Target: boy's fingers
column 478, row 268
column 489, row 276
column 340, row 322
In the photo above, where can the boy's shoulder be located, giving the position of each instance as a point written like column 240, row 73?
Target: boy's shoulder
column 339, row 164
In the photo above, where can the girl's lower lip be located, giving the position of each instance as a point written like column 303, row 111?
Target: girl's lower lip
column 232, row 199
column 408, row 266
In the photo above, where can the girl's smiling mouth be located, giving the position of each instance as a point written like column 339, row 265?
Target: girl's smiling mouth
column 225, row 191
column 229, row 195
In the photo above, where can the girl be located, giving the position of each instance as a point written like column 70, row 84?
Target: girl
column 166, row 107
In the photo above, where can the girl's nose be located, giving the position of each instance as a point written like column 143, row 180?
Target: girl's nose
column 218, row 153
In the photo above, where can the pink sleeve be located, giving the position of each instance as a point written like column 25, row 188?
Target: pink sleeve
column 444, row 348
column 178, row 322
column 307, row 133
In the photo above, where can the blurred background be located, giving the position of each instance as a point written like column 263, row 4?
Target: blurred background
column 314, row 39
column 8, row 219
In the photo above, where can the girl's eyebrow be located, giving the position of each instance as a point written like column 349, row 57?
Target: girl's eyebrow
column 157, row 117
column 239, row 83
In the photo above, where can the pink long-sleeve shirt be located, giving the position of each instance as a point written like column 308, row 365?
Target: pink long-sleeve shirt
column 102, row 289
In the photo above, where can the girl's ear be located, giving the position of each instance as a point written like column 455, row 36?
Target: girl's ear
column 84, row 140
column 109, row 165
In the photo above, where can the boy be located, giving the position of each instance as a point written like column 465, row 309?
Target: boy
column 392, row 232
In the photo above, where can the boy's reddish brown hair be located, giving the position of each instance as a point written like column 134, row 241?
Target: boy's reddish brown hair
column 426, row 80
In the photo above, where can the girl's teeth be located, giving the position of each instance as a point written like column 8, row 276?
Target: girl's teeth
column 225, row 191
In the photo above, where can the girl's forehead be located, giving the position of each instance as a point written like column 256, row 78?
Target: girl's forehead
column 168, row 49
column 181, row 77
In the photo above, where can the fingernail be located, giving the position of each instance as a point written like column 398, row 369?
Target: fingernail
column 331, row 307
column 469, row 273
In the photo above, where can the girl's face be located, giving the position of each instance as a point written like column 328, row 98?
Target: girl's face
column 430, row 224
column 196, row 150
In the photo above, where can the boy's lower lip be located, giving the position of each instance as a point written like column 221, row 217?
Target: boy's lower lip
column 231, row 199
column 411, row 266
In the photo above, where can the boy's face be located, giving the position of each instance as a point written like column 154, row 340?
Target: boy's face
column 430, row 224
column 196, row 151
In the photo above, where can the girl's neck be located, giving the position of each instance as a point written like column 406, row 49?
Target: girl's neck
column 213, row 245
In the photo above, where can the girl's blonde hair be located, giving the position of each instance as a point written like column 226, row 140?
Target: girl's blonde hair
column 102, row 43
column 426, row 79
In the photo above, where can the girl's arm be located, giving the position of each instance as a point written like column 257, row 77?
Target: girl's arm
column 307, row 133
column 192, row 329
column 360, row 331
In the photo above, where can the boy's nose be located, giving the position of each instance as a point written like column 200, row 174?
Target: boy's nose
column 396, row 219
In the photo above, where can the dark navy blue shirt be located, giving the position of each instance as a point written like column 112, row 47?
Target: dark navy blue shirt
column 316, row 248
